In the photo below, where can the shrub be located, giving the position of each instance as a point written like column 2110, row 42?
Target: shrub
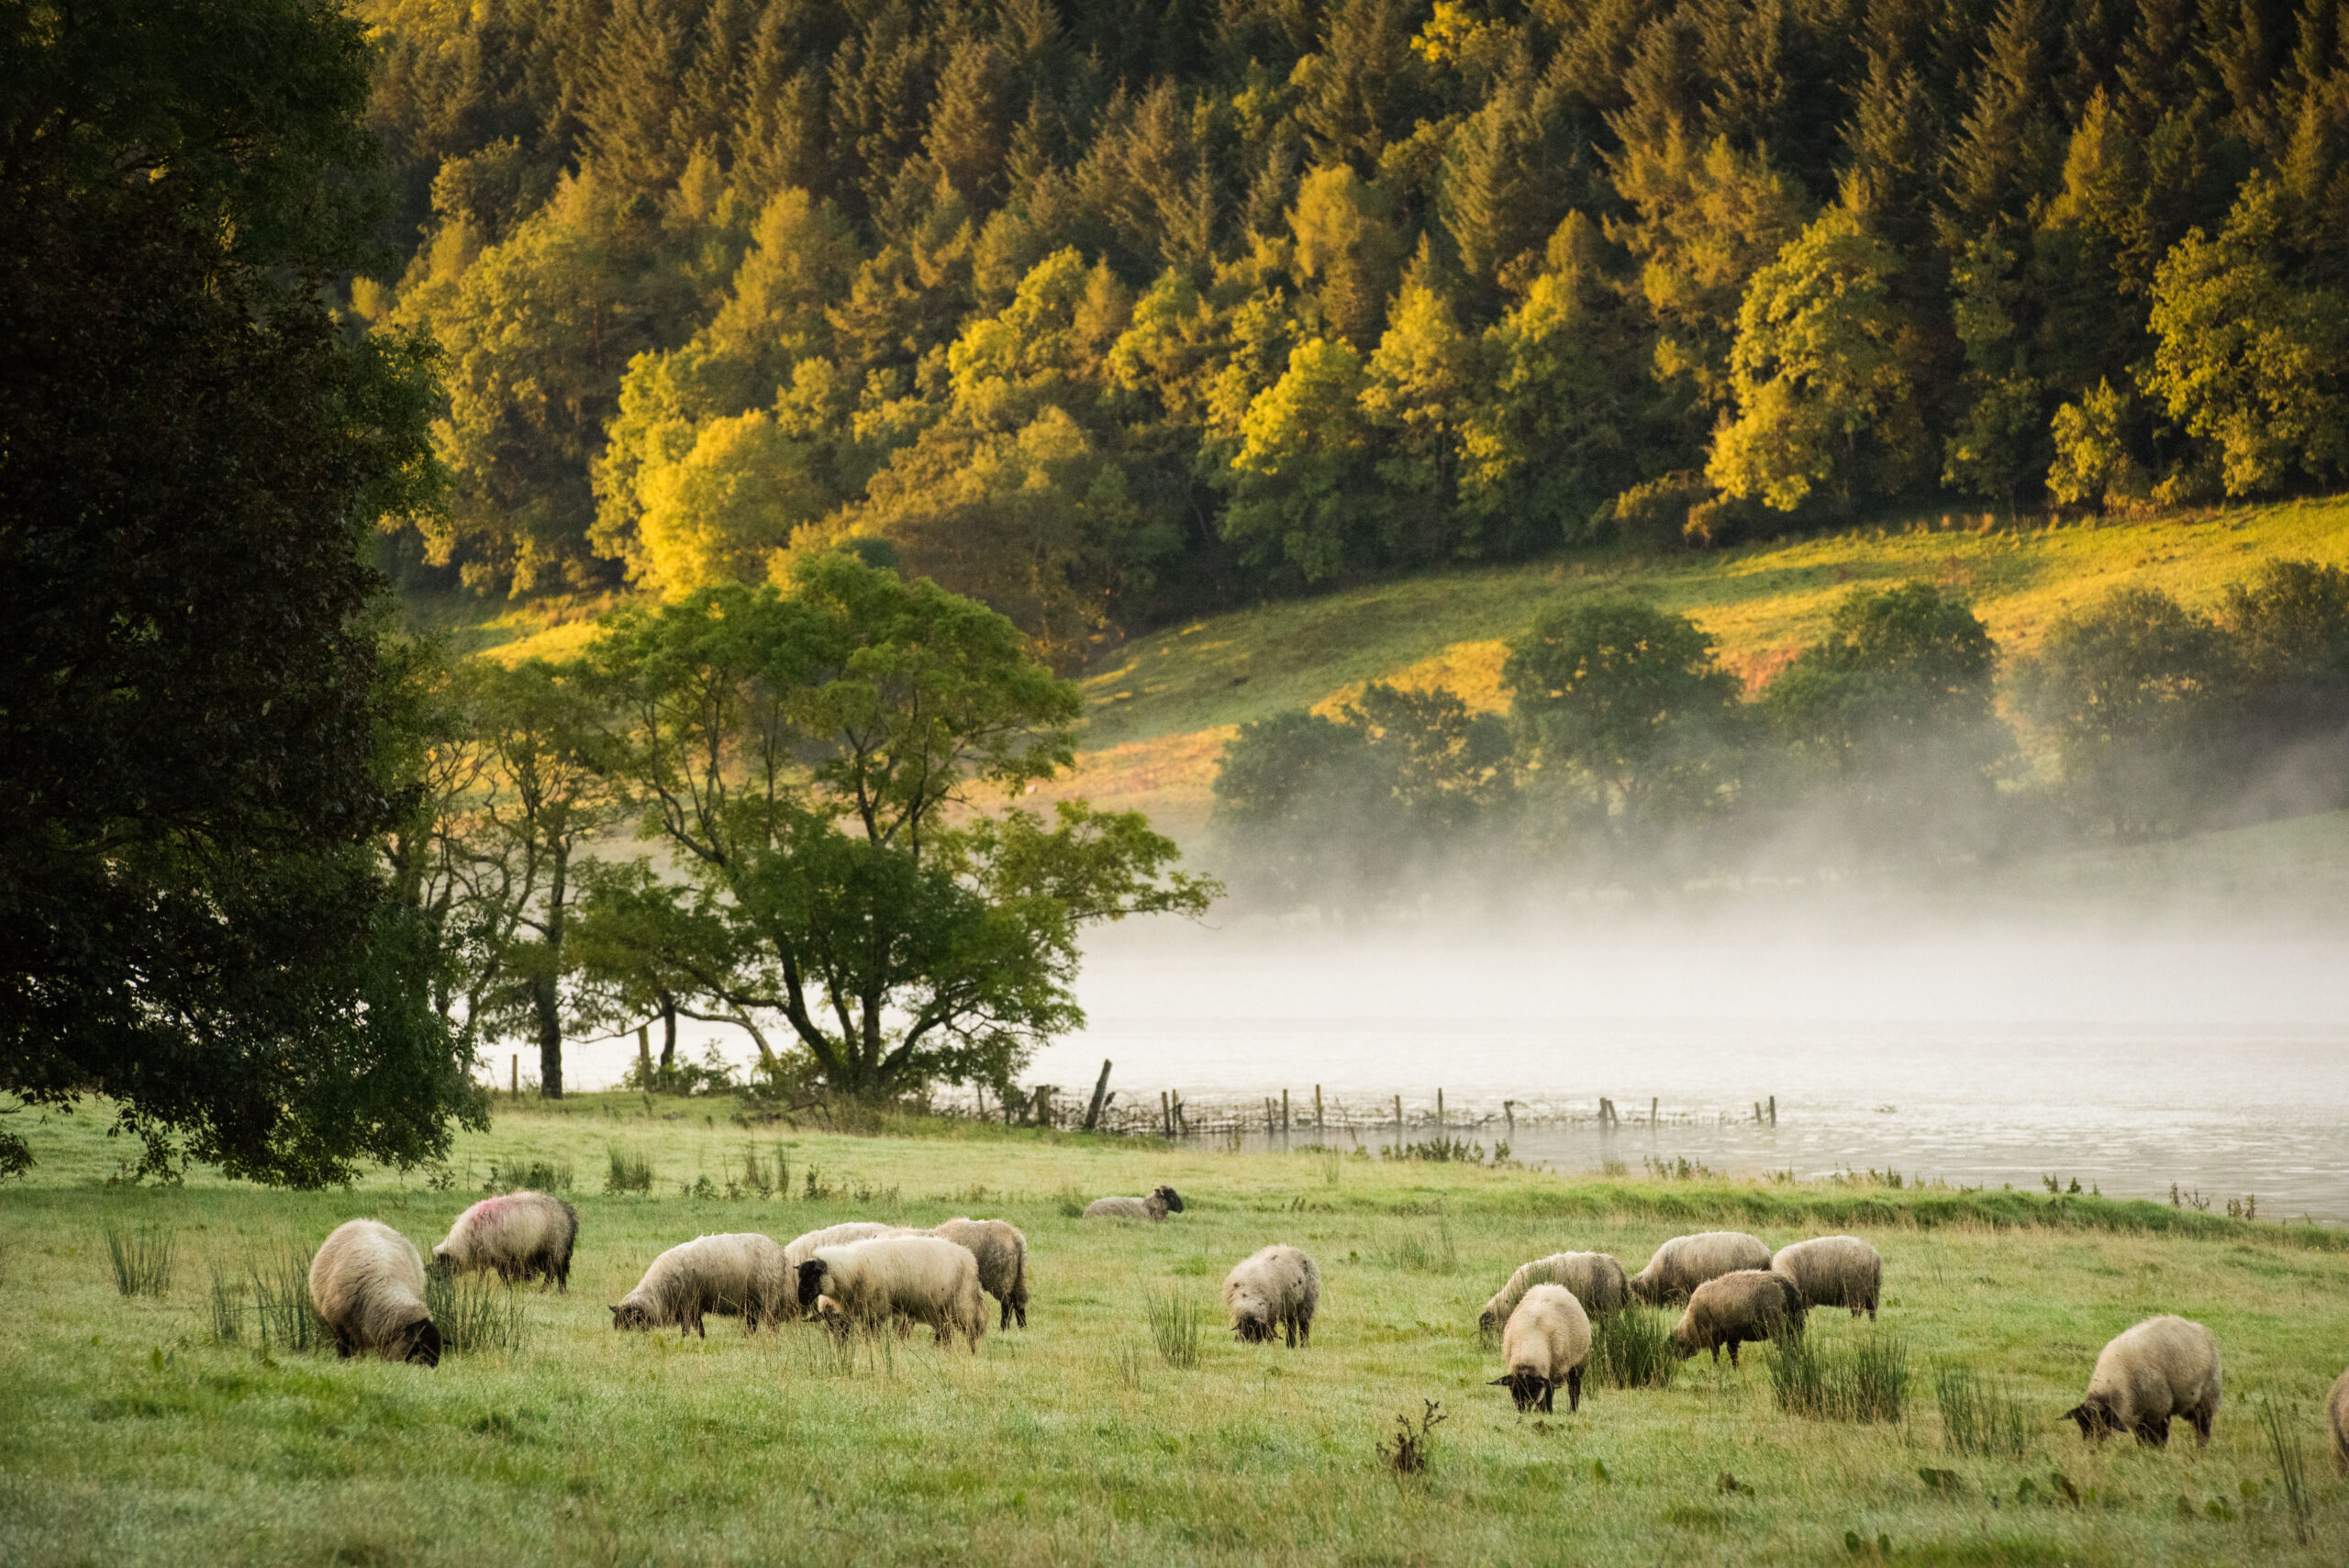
column 1632, row 1349
column 142, row 1259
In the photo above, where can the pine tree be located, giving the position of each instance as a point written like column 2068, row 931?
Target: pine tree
column 2008, row 146
column 967, row 137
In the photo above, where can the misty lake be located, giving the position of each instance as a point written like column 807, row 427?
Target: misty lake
column 2128, row 1059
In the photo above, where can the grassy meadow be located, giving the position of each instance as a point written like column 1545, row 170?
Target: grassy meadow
column 134, row 1435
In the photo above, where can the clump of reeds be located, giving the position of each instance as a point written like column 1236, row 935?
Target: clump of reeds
column 2291, row 1464
column 628, row 1170
column 476, row 1314
column 1132, row 1368
column 1436, row 1253
column 1177, row 1324
column 1979, row 1416
column 1865, row 1380
column 227, row 1307
column 142, row 1259
column 534, row 1175
column 1633, row 1348
column 285, row 1318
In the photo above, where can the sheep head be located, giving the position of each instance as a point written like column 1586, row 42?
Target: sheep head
column 1644, row 1289
column 1173, row 1199
column 1526, row 1388
column 631, row 1315
column 1252, row 1320
column 2096, row 1415
column 421, row 1343
column 811, row 1281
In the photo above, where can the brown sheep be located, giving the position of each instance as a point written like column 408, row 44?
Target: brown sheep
column 1743, row 1307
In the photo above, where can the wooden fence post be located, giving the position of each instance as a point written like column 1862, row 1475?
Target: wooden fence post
column 1284, row 1113
column 1317, row 1110
column 1398, row 1126
column 1100, row 1089
column 643, row 1056
column 517, row 1090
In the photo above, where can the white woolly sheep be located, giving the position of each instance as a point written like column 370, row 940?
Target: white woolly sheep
column 1834, row 1271
column 367, row 1281
column 1275, row 1290
column 1156, row 1206
column 2164, row 1368
column 1683, row 1264
column 2336, row 1419
column 736, row 1275
column 1596, row 1278
column 521, row 1236
column 1546, row 1343
column 1744, row 1307
column 802, row 1248
column 1002, row 1254
column 926, row 1278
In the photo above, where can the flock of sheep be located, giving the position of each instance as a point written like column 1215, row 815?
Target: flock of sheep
column 368, row 1285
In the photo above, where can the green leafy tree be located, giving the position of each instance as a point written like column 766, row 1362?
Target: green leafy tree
column 813, row 763
column 199, row 742
column 1302, row 490
column 1626, row 702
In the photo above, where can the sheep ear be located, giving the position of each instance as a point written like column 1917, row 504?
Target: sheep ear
column 1497, row 1383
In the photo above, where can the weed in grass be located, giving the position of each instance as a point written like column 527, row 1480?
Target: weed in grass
column 1333, row 1165
column 2291, row 1465
column 1176, row 1325
column 284, row 1316
column 1865, row 1380
column 1420, row 1252
column 1408, row 1450
column 1979, row 1416
column 142, row 1259
column 476, row 1314
column 1131, row 1368
column 629, row 1171
column 1070, row 1201
column 1632, row 1349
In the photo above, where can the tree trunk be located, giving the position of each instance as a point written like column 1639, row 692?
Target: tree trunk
column 668, row 1034
column 546, row 992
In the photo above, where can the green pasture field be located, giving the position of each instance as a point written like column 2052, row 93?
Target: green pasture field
column 129, row 1435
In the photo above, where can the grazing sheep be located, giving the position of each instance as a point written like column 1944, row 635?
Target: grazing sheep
column 1683, row 1264
column 1002, row 1252
column 1596, row 1278
column 1744, row 1307
column 738, row 1275
column 367, row 1281
column 1545, row 1344
column 2337, row 1416
column 1276, row 1289
column 926, row 1278
column 1156, row 1206
column 1834, row 1271
column 2164, row 1367
column 522, row 1236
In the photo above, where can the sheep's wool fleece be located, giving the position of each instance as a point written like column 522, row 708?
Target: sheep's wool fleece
column 367, row 1283
column 1596, row 1279
column 1744, row 1304
column 1279, row 1285
column 1548, row 1334
column 926, row 1278
column 1002, row 1253
column 803, row 1247
column 1833, row 1270
column 509, row 1232
column 1683, row 1264
column 2164, row 1366
column 734, row 1274
column 2336, row 1413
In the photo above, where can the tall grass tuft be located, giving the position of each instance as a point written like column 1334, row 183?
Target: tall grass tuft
column 1866, row 1380
column 1423, row 1254
column 1633, row 1348
column 284, row 1316
column 1175, row 1324
column 227, row 1308
column 534, row 1175
column 476, row 1314
column 142, row 1259
column 629, row 1172
column 1070, row 1201
column 1979, row 1416
column 2291, row 1464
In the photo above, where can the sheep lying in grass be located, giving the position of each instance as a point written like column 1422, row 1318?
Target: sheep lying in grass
column 737, row 1275
column 1743, row 1307
column 1683, row 1264
column 1545, row 1344
column 1275, row 1290
column 1002, row 1253
column 367, row 1283
column 924, row 1278
column 1596, row 1278
column 522, row 1236
column 1156, row 1206
column 1834, row 1271
column 2336, row 1419
column 2165, row 1367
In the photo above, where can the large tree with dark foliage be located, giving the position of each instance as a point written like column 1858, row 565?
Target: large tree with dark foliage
column 194, row 731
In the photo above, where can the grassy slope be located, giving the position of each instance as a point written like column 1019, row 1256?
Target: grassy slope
column 132, row 1439
column 1164, row 705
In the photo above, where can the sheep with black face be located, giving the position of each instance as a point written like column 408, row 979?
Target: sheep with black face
column 926, row 1279
column 367, row 1283
column 1156, row 1206
column 2164, row 1368
column 1546, row 1343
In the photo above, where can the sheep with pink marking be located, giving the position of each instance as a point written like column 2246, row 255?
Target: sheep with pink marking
column 518, row 1236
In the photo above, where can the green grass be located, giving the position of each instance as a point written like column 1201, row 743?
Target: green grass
column 133, row 1437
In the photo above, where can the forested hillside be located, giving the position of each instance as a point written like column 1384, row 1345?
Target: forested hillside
column 1117, row 311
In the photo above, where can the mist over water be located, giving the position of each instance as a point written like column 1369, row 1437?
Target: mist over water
column 2130, row 1059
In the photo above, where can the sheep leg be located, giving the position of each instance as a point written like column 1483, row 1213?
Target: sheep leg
column 2202, row 1420
column 1732, row 1355
column 1549, row 1397
column 1574, row 1390
column 1289, row 1324
column 2153, row 1433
